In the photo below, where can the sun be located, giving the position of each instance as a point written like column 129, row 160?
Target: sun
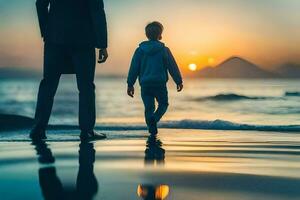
column 193, row 67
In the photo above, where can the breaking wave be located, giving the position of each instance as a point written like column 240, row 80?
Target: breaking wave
column 15, row 122
column 226, row 125
column 292, row 94
column 198, row 125
column 231, row 97
column 238, row 97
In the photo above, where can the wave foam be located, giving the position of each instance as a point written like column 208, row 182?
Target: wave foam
column 207, row 125
column 226, row 125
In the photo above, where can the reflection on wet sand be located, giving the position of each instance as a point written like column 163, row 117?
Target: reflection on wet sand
column 150, row 192
column 51, row 186
column 154, row 155
column 219, row 165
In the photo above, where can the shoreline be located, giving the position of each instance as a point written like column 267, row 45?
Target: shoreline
column 10, row 122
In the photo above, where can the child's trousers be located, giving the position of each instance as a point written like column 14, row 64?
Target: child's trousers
column 149, row 95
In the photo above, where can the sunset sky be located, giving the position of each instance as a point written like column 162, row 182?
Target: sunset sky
column 197, row 31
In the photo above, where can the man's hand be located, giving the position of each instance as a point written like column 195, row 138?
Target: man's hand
column 179, row 87
column 103, row 55
column 130, row 91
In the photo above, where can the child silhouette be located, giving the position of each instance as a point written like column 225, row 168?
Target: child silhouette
column 151, row 64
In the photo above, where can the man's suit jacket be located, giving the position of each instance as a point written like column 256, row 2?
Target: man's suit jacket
column 73, row 22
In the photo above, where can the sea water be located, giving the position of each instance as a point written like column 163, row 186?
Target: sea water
column 216, row 103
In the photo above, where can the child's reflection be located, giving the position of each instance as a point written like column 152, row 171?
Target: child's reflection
column 51, row 186
column 154, row 155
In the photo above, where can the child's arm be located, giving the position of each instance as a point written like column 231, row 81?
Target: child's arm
column 133, row 73
column 174, row 70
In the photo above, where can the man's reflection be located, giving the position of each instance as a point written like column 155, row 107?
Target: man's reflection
column 49, row 182
column 154, row 155
column 87, row 185
column 51, row 186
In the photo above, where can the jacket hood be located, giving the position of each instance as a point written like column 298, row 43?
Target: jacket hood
column 151, row 47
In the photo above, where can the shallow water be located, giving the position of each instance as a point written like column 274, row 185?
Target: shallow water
column 181, row 164
column 255, row 102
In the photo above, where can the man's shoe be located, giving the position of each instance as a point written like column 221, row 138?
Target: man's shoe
column 37, row 134
column 153, row 126
column 92, row 135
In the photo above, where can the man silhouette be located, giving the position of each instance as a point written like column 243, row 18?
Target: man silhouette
column 71, row 30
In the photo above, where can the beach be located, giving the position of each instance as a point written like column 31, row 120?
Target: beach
column 180, row 164
column 220, row 140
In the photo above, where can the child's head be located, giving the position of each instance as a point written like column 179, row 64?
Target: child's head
column 154, row 31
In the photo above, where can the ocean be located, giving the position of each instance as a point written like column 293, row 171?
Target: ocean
column 204, row 104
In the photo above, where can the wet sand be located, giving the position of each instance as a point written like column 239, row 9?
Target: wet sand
column 179, row 164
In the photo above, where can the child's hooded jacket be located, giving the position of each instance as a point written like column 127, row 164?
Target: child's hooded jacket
column 151, row 63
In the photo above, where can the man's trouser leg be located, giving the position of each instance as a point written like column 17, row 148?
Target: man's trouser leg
column 48, row 86
column 83, row 59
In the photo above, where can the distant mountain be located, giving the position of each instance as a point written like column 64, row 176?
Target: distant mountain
column 235, row 67
column 289, row 70
column 15, row 72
